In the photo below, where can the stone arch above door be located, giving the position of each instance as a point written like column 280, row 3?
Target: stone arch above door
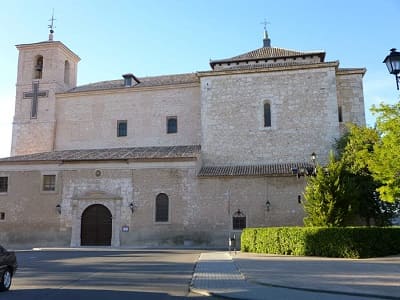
column 81, row 202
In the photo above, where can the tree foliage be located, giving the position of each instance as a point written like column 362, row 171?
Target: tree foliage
column 328, row 196
column 385, row 165
column 345, row 191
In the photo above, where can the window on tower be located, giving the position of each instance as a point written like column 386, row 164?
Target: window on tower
column 66, row 72
column 38, row 67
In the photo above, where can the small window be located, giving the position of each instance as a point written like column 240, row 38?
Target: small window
column 172, row 125
column 238, row 220
column 49, row 183
column 267, row 114
column 66, row 72
column 340, row 114
column 3, row 184
column 122, row 128
column 2, row 216
column 162, row 208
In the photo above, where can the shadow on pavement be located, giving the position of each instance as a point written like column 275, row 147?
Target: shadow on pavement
column 82, row 294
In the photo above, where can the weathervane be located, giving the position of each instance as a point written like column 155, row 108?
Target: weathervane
column 51, row 26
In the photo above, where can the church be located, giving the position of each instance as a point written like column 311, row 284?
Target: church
column 171, row 160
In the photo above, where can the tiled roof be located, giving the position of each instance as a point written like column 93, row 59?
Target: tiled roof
column 264, row 65
column 269, row 52
column 137, row 153
column 144, row 82
column 254, row 170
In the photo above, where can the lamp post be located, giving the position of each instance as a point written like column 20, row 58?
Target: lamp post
column 314, row 160
column 392, row 62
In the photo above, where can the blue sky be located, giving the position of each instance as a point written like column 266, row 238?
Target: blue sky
column 168, row 37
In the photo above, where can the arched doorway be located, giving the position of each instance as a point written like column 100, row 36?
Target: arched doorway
column 96, row 226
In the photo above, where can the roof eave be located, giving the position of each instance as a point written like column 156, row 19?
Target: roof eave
column 321, row 55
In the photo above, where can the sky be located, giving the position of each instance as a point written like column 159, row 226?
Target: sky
column 181, row 36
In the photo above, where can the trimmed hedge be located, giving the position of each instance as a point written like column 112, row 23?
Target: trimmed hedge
column 346, row 242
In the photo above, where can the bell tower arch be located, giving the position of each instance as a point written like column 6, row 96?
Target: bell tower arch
column 44, row 69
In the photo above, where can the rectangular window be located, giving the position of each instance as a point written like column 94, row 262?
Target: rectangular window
column 122, row 128
column 3, row 184
column 172, row 124
column 267, row 114
column 239, row 223
column 49, row 183
column 2, row 216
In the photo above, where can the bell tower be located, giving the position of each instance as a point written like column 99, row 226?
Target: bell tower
column 44, row 69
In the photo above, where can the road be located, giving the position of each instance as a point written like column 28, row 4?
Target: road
column 103, row 275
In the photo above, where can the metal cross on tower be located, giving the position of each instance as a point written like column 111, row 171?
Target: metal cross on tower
column 265, row 23
column 51, row 26
column 34, row 95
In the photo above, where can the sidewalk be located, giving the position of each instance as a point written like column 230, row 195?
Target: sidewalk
column 254, row 276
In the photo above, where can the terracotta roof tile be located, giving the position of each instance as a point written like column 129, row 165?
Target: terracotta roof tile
column 144, row 82
column 284, row 169
column 268, row 53
column 167, row 152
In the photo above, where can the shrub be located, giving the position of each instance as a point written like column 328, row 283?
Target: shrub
column 346, row 242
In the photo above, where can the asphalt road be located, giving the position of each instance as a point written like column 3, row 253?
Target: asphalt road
column 103, row 275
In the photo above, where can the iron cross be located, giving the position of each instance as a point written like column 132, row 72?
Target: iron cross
column 34, row 95
column 265, row 23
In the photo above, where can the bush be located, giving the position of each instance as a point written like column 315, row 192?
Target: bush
column 346, row 242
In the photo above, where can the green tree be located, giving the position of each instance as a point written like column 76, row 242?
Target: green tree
column 385, row 165
column 328, row 196
column 355, row 150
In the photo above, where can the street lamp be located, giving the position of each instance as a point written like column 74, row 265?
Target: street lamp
column 392, row 62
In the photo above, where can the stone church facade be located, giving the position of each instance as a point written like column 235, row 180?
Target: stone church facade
column 186, row 159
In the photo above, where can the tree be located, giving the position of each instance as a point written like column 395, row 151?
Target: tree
column 385, row 165
column 328, row 196
column 355, row 150
column 344, row 193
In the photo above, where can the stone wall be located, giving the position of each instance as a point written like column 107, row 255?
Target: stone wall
column 304, row 116
column 351, row 97
column 200, row 209
column 89, row 121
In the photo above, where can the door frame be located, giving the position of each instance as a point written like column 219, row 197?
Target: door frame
column 112, row 202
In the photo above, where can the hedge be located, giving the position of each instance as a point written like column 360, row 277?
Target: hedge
column 346, row 242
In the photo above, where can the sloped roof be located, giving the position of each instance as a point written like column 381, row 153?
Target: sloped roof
column 152, row 81
column 269, row 53
column 136, row 153
column 284, row 169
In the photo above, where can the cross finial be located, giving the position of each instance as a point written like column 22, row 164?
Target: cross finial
column 266, row 40
column 51, row 26
column 265, row 23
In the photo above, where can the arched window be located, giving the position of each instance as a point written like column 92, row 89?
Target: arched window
column 162, row 208
column 38, row 67
column 66, row 72
column 267, row 114
column 238, row 220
